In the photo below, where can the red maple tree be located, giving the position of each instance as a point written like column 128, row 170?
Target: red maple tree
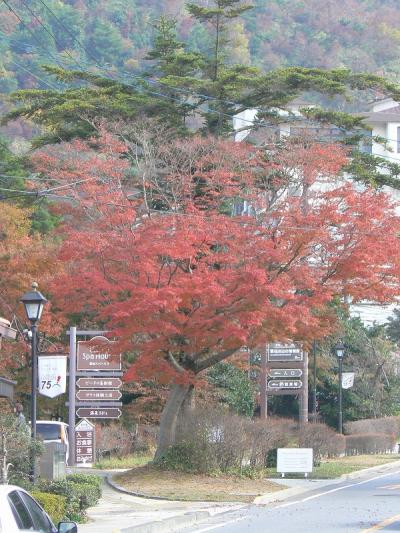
column 233, row 246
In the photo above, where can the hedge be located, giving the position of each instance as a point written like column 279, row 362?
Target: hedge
column 53, row 504
column 80, row 491
column 364, row 443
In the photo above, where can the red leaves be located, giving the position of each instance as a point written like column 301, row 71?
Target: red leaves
column 188, row 284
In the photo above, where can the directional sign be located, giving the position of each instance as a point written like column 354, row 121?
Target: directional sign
column 285, row 384
column 285, row 373
column 99, row 383
column 284, row 352
column 98, row 395
column 98, row 412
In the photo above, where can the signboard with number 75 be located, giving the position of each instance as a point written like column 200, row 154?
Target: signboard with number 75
column 52, row 371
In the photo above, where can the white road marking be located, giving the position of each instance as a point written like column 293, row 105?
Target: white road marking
column 222, row 524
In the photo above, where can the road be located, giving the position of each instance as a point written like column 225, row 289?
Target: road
column 364, row 505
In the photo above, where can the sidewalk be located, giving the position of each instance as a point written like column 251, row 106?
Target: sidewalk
column 118, row 512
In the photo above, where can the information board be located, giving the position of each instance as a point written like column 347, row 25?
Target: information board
column 294, row 460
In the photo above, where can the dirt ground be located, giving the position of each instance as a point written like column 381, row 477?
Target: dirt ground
column 179, row 485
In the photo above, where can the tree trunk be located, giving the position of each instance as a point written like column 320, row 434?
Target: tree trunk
column 170, row 416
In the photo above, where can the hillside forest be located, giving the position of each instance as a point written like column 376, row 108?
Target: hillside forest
column 362, row 35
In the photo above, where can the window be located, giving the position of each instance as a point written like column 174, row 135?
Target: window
column 49, row 431
column 20, row 512
column 40, row 519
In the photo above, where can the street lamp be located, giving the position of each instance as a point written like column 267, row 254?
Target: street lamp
column 34, row 302
column 340, row 348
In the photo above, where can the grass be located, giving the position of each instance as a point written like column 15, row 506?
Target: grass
column 333, row 468
column 152, row 481
column 174, row 485
column 128, row 461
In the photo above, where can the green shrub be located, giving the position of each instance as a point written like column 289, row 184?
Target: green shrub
column 53, row 504
column 79, row 496
column 88, row 479
column 185, row 457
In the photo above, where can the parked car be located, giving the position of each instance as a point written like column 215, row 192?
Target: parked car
column 20, row 512
column 53, row 431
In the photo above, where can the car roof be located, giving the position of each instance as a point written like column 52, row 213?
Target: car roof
column 55, row 422
column 6, row 489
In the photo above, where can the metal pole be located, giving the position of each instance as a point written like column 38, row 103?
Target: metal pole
column 33, row 399
column 71, row 394
column 340, row 424
column 315, row 381
column 303, row 397
column 263, row 385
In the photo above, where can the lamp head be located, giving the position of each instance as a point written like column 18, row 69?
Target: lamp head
column 340, row 349
column 34, row 301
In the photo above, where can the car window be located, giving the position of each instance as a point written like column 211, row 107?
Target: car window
column 49, row 431
column 20, row 512
column 40, row 519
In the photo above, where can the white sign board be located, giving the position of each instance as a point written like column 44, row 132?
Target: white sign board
column 52, row 370
column 347, row 380
column 84, row 444
column 293, row 460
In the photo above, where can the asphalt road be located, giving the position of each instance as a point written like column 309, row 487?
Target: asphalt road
column 358, row 506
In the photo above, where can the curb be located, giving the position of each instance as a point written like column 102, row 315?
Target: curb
column 360, row 473
column 169, row 524
column 112, row 484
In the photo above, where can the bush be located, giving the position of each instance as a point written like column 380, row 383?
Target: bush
column 113, row 440
column 19, row 446
column 324, row 441
column 388, row 425
column 53, row 504
column 216, row 441
column 89, row 479
column 79, row 495
column 365, row 443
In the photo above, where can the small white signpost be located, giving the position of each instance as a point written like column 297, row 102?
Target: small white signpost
column 84, row 442
column 294, row 460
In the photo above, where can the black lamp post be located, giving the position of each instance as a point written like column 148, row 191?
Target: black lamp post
column 34, row 302
column 339, row 348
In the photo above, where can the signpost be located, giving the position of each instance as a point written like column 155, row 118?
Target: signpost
column 282, row 366
column 99, row 383
column 84, row 443
column 99, row 369
column 98, row 394
column 98, row 412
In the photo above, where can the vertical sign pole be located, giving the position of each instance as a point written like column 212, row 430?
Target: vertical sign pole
column 340, row 421
column 263, row 385
column 303, row 408
column 71, row 394
column 314, row 407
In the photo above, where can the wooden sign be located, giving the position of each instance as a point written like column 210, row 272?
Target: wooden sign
column 98, row 412
column 97, row 355
column 98, row 395
column 99, row 383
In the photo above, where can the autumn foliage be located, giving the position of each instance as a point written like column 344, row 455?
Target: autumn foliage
column 169, row 262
